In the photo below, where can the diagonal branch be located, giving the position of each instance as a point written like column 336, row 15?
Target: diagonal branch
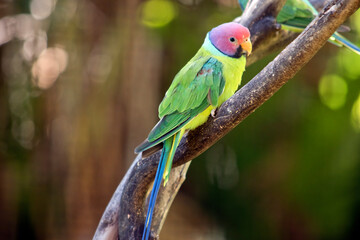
column 125, row 214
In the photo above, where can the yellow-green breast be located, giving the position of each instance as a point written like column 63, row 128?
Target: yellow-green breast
column 233, row 69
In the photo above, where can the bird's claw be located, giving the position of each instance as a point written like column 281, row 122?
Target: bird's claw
column 213, row 112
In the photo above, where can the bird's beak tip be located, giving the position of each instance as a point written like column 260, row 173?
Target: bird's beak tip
column 247, row 47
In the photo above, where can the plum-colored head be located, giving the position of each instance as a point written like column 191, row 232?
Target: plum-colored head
column 232, row 39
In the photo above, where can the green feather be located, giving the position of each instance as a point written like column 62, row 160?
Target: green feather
column 187, row 98
column 297, row 14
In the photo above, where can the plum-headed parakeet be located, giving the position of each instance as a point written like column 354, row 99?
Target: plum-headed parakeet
column 203, row 84
column 297, row 14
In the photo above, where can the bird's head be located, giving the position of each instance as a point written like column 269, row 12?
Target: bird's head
column 232, row 39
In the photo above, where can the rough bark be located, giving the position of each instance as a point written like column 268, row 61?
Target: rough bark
column 125, row 214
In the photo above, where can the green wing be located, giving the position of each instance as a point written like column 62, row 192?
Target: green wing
column 197, row 86
column 297, row 14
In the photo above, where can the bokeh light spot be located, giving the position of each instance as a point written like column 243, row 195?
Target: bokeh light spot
column 356, row 21
column 346, row 60
column 355, row 115
column 47, row 68
column 333, row 90
column 41, row 9
column 157, row 13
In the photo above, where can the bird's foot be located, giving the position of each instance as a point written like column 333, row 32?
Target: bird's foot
column 278, row 26
column 214, row 112
column 153, row 236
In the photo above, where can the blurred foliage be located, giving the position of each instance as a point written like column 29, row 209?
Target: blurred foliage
column 157, row 13
column 80, row 82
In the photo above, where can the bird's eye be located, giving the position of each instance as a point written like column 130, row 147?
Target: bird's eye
column 232, row 39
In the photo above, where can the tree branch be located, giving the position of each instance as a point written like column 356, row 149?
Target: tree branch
column 125, row 214
column 266, row 34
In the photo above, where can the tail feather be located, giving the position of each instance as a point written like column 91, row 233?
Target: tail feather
column 175, row 144
column 154, row 192
column 344, row 42
column 164, row 167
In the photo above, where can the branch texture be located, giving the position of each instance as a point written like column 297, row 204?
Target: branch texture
column 125, row 215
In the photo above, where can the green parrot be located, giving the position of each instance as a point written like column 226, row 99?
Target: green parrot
column 297, row 14
column 203, row 84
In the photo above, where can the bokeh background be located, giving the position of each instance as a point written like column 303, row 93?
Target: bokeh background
column 80, row 82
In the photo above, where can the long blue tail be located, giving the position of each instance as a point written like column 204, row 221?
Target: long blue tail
column 163, row 171
column 154, row 192
column 346, row 43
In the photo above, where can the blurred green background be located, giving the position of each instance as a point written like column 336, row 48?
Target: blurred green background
column 80, row 82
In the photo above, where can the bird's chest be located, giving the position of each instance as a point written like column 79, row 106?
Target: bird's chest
column 232, row 73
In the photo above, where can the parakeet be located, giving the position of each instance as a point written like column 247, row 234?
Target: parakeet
column 203, row 84
column 297, row 14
